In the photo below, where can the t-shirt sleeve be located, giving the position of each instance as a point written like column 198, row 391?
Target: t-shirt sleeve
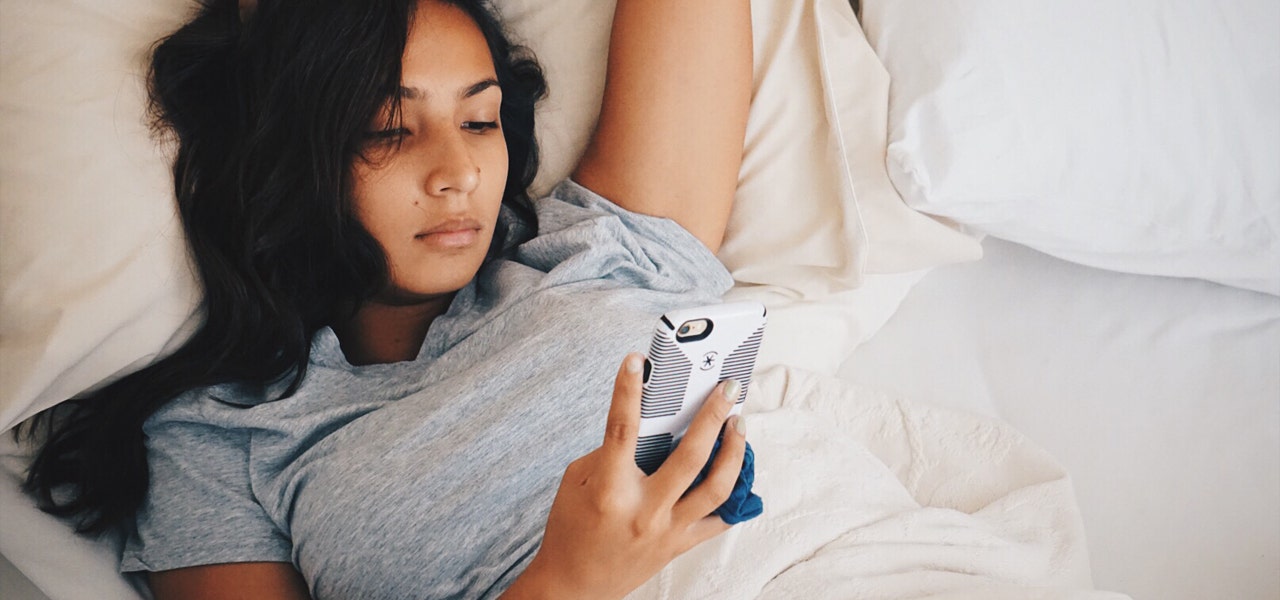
column 199, row 508
column 585, row 237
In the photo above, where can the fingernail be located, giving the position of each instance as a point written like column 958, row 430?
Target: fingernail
column 634, row 364
column 740, row 425
column 732, row 389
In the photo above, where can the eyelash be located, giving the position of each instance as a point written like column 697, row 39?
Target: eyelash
column 389, row 135
column 386, row 135
column 480, row 126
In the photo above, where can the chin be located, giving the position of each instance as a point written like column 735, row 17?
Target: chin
column 444, row 284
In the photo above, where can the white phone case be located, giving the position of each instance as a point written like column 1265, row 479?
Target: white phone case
column 681, row 373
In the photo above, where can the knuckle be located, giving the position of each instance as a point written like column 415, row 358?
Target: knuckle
column 577, row 472
column 719, row 490
column 687, row 462
column 646, row 526
column 675, row 546
column 681, row 539
column 575, row 468
column 716, row 412
column 734, row 452
column 618, row 431
column 609, row 502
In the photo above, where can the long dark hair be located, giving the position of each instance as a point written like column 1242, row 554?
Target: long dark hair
column 268, row 116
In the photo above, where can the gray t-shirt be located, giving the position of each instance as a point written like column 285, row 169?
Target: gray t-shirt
column 429, row 478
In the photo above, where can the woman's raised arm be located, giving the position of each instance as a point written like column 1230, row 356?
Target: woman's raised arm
column 669, row 140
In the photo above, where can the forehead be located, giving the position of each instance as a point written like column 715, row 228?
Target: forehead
column 445, row 48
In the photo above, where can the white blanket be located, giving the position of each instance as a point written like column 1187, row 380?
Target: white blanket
column 868, row 496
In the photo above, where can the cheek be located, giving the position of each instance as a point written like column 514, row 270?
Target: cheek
column 497, row 161
column 370, row 196
column 495, row 167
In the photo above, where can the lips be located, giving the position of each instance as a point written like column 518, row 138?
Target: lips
column 453, row 233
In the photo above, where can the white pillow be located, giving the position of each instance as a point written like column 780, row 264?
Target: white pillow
column 93, row 273
column 1135, row 135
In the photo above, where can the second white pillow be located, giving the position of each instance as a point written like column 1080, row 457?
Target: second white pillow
column 1135, row 135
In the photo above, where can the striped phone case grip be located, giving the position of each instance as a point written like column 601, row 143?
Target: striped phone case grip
column 681, row 374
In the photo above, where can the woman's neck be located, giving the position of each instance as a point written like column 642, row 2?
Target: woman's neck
column 387, row 333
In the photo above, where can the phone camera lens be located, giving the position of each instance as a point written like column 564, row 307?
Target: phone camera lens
column 694, row 330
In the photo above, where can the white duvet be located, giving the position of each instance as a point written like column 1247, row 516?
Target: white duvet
column 869, row 496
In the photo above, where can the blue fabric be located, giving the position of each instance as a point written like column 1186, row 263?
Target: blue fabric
column 743, row 504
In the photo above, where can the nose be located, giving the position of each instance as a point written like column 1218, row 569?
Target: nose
column 452, row 169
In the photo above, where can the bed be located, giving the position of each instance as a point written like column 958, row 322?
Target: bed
column 1022, row 266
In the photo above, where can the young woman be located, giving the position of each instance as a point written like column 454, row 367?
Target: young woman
column 400, row 351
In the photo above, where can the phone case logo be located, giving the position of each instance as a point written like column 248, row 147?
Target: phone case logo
column 709, row 361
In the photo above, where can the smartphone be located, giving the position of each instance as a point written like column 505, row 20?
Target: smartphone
column 692, row 351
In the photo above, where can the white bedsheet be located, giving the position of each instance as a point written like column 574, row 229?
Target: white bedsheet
column 1160, row 396
column 870, row 496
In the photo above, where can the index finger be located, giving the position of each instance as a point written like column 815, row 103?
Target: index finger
column 623, row 426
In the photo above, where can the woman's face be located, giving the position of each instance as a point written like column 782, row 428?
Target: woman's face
column 432, row 199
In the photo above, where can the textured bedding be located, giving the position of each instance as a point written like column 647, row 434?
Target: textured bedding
column 870, row 496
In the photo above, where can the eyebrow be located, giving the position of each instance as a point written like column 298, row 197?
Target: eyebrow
column 413, row 93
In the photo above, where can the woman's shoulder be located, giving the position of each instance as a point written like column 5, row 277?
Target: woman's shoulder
column 586, row 233
column 572, row 198
column 572, row 210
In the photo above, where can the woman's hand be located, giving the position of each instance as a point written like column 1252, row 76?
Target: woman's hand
column 612, row 527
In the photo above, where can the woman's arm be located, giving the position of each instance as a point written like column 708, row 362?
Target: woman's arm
column 674, row 115
column 232, row 581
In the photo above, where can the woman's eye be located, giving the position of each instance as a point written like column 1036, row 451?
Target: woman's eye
column 384, row 136
column 479, row 126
